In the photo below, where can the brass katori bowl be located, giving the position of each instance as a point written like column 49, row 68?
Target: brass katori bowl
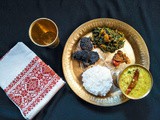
column 132, row 87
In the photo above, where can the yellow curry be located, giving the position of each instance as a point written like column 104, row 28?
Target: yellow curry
column 133, row 86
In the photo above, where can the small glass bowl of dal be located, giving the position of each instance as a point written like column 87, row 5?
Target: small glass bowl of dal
column 135, row 81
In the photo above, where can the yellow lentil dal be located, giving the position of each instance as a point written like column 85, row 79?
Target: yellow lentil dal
column 143, row 84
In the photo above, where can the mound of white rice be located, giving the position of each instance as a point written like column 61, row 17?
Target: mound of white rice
column 97, row 80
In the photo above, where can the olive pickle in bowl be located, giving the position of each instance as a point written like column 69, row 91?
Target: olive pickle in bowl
column 135, row 81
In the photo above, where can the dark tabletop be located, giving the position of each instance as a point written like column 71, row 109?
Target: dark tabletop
column 143, row 15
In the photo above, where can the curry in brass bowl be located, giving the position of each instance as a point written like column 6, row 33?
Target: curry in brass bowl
column 135, row 81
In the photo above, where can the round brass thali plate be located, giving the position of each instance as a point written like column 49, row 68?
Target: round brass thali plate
column 72, row 70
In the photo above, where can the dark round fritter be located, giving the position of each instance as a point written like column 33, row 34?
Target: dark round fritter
column 86, row 44
column 77, row 55
column 86, row 57
column 94, row 57
column 82, row 55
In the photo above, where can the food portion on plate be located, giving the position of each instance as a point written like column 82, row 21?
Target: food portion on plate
column 85, row 54
column 97, row 80
column 135, row 81
column 119, row 58
column 86, row 57
column 86, row 44
column 108, row 40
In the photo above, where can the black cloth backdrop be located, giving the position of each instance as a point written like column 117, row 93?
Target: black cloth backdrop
column 143, row 15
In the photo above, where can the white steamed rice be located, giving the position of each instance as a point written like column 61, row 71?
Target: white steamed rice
column 97, row 80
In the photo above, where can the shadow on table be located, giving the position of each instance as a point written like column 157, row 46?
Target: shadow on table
column 131, row 110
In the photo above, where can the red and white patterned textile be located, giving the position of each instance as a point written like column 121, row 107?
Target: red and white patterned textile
column 27, row 80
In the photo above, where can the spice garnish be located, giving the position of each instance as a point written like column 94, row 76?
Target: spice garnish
column 133, row 82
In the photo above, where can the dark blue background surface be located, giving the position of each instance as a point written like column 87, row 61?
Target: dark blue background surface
column 143, row 15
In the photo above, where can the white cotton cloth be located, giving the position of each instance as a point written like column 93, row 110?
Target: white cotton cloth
column 27, row 80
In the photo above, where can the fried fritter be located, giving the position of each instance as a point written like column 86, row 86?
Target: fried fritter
column 86, row 57
column 86, row 44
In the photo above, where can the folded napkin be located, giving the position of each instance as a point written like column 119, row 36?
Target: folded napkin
column 27, row 80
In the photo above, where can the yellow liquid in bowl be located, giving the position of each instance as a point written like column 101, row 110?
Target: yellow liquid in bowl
column 143, row 85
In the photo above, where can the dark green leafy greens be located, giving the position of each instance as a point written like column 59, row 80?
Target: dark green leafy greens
column 108, row 40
